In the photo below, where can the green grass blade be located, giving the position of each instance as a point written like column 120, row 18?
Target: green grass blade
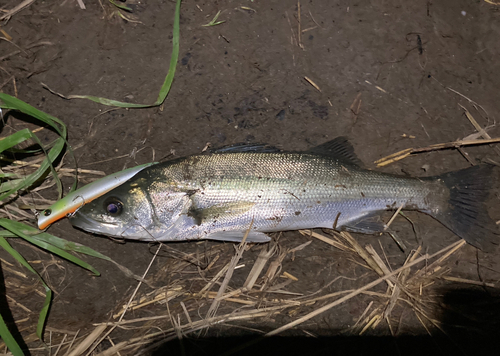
column 9, row 340
column 65, row 245
column 44, row 311
column 16, row 182
column 120, row 6
column 48, row 292
column 69, row 246
column 173, row 59
column 7, row 233
column 9, row 175
column 110, row 102
column 11, row 185
column 5, row 144
column 15, row 104
column 214, row 21
column 167, row 84
column 27, row 152
column 28, row 181
column 55, row 241
column 20, row 228
column 10, row 102
column 15, row 139
column 61, row 253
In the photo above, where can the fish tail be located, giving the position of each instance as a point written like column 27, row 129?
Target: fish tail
column 465, row 213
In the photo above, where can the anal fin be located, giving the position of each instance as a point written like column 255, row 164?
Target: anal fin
column 237, row 236
column 368, row 224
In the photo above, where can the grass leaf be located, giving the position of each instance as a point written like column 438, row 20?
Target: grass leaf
column 29, row 180
column 10, row 102
column 15, row 139
column 167, row 84
column 48, row 292
column 19, row 229
column 69, row 245
column 9, row 340
column 18, row 183
column 120, row 6
column 214, row 21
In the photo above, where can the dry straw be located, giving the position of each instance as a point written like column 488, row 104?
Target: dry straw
column 256, row 298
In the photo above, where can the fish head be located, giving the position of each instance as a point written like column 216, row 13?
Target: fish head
column 124, row 212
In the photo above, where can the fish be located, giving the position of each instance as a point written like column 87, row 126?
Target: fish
column 257, row 189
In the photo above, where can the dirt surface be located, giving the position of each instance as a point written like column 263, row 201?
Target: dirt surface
column 389, row 75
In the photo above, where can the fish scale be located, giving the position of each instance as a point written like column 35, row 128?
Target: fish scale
column 289, row 191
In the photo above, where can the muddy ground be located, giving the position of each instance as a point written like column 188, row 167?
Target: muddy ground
column 389, row 75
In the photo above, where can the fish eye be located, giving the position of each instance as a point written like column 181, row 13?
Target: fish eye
column 113, row 206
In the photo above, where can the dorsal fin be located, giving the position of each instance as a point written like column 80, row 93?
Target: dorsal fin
column 246, row 147
column 339, row 148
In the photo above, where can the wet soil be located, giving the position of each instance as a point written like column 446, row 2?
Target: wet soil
column 389, row 75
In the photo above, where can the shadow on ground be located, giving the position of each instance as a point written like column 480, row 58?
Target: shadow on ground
column 470, row 325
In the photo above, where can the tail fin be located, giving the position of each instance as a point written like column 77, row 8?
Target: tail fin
column 466, row 214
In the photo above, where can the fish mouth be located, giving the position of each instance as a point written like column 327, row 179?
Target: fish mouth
column 83, row 222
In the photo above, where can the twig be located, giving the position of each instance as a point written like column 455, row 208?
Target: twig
column 440, row 146
column 234, row 261
column 482, row 132
column 291, row 28
column 259, row 266
column 16, row 9
column 362, row 252
column 299, row 32
column 326, row 240
column 82, row 346
column 393, row 217
column 315, row 20
column 81, row 4
column 313, row 84
column 468, row 281
column 60, row 344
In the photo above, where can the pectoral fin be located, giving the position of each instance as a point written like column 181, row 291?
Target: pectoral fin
column 368, row 224
column 237, row 236
column 219, row 211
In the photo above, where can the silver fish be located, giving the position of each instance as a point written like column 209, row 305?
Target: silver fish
column 219, row 195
